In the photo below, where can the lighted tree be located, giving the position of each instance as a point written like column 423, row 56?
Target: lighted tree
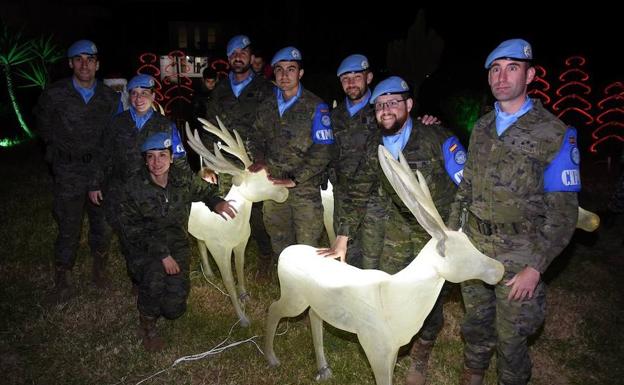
column 572, row 105
column 610, row 118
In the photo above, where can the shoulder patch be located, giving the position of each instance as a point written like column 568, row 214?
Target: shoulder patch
column 563, row 173
column 322, row 132
column 454, row 158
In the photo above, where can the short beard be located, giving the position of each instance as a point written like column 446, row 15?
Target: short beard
column 241, row 70
column 396, row 127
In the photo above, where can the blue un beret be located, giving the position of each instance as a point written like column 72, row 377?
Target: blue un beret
column 391, row 85
column 516, row 49
column 86, row 47
column 157, row 141
column 286, row 54
column 237, row 42
column 143, row 81
column 353, row 63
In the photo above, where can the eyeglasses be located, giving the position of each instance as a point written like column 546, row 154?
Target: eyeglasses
column 391, row 104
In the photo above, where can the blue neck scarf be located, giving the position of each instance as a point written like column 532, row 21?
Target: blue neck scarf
column 86, row 93
column 237, row 87
column 354, row 108
column 504, row 120
column 283, row 105
column 140, row 120
column 396, row 143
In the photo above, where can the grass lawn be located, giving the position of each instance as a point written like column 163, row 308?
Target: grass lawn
column 92, row 339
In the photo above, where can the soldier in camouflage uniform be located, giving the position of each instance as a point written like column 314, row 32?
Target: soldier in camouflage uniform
column 518, row 202
column 292, row 139
column 72, row 114
column 120, row 158
column 432, row 150
column 359, row 213
column 154, row 217
column 235, row 101
column 202, row 98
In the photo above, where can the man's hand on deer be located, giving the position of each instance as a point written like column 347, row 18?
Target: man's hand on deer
column 95, row 197
column 225, row 208
column 257, row 166
column 170, row 265
column 523, row 284
column 286, row 182
column 208, row 175
column 338, row 249
column 428, row 120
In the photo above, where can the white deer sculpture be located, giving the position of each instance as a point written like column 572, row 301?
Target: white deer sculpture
column 385, row 311
column 221, row 236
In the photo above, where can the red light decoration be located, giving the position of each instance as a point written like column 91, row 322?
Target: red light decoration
column 610, row 87
column 581, row 99
column 574, row 71
column 542, row 95
column 600, row 118
column 546, row 85
column 540, row 71
column 588, row 117
column 578, row 61
column 148, row 67
column 594, row 147
column 586, row 89
column 605, row 127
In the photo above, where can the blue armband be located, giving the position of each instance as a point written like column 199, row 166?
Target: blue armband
column 454, row 159
column 322, row 132
column 176, row 142
column 563, row 174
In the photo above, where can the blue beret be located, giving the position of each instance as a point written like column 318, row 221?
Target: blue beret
column 286, row 54
column 86, row 47
column 143, row 81
column 237, row 42
column 353, row 63
column 516, row 49
column 157, row 141
column 391, row 85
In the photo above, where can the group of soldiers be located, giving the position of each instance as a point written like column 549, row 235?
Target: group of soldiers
column 513, row 192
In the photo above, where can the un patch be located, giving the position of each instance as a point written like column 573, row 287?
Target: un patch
column 460, row 157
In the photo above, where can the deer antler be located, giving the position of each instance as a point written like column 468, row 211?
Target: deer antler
column 234, row 146
column 413, row 192
column 214, row 161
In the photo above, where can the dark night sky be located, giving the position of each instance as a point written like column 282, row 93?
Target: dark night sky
column 326, row 32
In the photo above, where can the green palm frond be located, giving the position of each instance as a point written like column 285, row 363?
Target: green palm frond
column 13, row 49
column 45, row 49
column 37, row 75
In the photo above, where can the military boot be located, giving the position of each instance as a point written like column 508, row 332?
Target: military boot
column 99, row 276
column 471, row 376
column 151, row 341
column 419, row 353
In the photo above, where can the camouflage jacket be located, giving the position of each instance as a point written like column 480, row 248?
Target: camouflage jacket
column 155, row 219
column 236, row 113
column 120, row 157
column 71, row 128
column 424, row 153
column 357, row 175
column 504, row 183
column 285, row 142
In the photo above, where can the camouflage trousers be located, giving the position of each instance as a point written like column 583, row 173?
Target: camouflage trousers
column 494, row 323
column 367, row 244
column 402, row 238
column 299, row 220
column 70, row 204
column 112, row 205
column 258, row 230
column 161, row 294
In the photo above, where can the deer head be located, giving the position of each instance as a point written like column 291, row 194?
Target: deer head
column 255, row 187
column 452, row 254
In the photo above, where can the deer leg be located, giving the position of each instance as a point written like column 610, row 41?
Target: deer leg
column 316, row 324
column 381, row 354
column 289, row 305
column 239, row 263
column 223, row 257
column 203, row 253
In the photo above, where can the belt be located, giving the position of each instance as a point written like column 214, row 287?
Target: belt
column 68, row 157
column 490, row 228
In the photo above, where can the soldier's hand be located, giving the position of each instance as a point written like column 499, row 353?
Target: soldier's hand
column 208, row 175
column 286, row 182
column 523, row 284
column 170, row 265
column 257, row 166
column 225, row 207
column 338, row 249
column 96, row 197
column 428, row 120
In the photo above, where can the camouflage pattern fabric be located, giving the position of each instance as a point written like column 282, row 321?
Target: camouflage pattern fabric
column 503, row 185
column 285, row 144
column 72, row 131
column 154, row 220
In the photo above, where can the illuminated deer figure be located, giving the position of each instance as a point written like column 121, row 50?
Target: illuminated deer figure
column 221, row 236
column 385, row 311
